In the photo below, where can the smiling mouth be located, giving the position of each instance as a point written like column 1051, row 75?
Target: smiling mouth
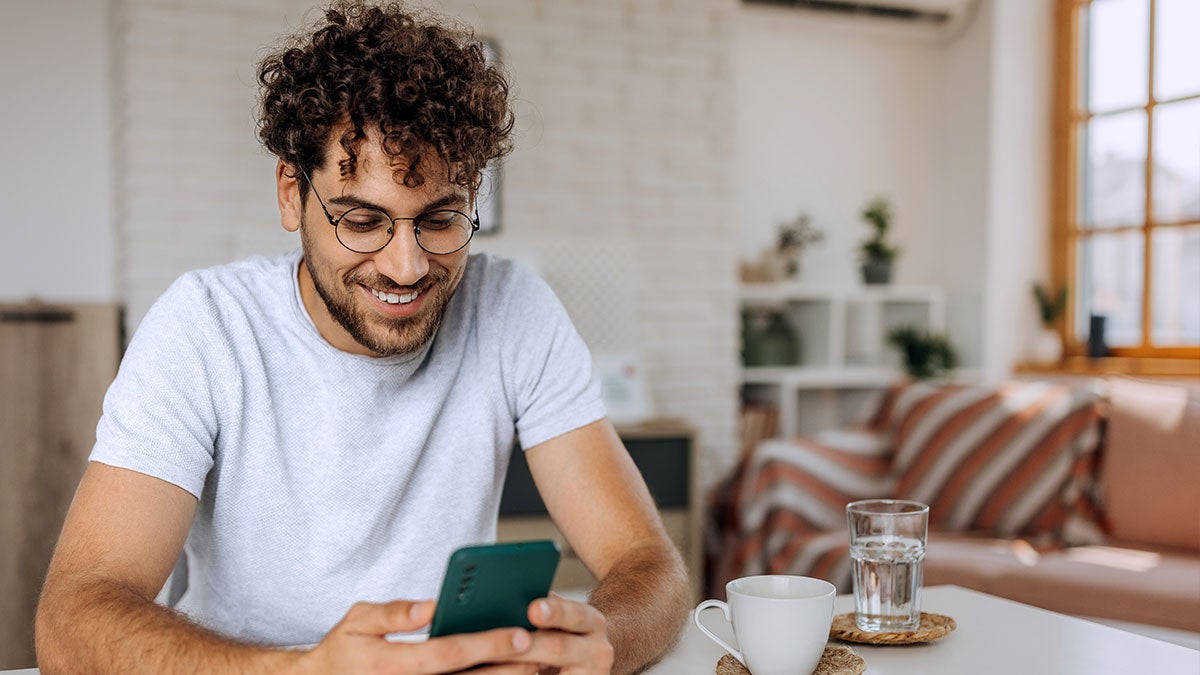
column 395, row 298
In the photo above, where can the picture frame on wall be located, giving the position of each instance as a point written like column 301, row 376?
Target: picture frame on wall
column 487, row 202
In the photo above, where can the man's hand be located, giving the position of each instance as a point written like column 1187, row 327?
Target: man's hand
column 357, row 645
column 572, row 638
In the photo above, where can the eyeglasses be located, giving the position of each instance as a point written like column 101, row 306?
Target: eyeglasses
column 364, row 229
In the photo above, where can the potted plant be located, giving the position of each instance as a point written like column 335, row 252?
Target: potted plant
column 877, row 254
column 768, row 339
column 794, row 237
column 926, row 355
column 781, row 262
column 1047, row 348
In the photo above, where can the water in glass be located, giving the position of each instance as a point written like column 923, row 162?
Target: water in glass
column 887, row 582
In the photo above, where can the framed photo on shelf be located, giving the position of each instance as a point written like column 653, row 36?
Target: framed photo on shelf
column 623, row 386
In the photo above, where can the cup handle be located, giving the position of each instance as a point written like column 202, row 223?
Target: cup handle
column 708, row 604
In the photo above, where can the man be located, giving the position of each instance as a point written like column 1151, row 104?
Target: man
column 320, row 431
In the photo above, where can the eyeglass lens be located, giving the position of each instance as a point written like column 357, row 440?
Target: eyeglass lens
column 366, row 230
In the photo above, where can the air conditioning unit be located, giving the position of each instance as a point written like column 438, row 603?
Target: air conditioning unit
column 933, row 17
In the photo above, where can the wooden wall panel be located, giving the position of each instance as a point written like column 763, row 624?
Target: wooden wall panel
column 56, row 362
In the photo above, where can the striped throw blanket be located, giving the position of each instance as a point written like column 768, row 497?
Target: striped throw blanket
column 1011, row 460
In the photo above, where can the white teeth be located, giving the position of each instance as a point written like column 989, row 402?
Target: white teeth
column 394, row 298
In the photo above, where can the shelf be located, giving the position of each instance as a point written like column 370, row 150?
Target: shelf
column 817, row 377
column 779, row 293
column 841, row 335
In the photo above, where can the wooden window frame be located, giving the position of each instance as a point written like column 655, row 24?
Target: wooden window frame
column 1064, row 234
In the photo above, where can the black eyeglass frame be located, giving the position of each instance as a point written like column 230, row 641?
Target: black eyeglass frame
column 392, row 227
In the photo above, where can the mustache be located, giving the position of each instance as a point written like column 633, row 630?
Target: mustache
column 382, row 283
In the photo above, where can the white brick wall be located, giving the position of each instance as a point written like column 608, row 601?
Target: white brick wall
column 623, row 145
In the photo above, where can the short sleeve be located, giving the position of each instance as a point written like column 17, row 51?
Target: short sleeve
column 549, row 366
column 159, row 414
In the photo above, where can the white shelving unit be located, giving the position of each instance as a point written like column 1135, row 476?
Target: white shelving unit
column 843, row 350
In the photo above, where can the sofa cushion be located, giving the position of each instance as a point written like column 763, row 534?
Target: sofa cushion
column 897, row 402
column 1006, row 460
column 1157, row 586
column 1124, row 581
column 1151, row 465
column 974, row 561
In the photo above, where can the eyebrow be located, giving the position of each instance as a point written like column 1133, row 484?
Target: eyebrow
column 351, row 201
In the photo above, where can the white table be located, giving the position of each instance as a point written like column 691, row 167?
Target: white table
column 993, row 636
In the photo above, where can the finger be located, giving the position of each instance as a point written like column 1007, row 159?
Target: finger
column 371, row 618
column 559, row 613
column 556, row 649
column 456, row 652
column 553, row 648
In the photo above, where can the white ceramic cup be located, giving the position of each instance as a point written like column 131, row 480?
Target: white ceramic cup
column 781, row 622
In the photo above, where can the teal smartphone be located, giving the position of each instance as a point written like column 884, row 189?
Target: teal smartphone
column 491, row 586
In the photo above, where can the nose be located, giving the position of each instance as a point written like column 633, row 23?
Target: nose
column 402, row 260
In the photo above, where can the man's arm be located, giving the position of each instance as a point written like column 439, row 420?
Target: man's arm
column 598, row 499
column 122, row 536
column 97, row 613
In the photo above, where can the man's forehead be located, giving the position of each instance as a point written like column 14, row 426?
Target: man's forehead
column 372, row 163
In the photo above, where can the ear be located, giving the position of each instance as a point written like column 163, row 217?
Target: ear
column 287, row 189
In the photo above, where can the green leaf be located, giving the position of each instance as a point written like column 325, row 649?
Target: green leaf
column 1050, row 308
column 925, row 355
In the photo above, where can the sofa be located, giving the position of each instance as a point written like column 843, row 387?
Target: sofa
column 1079, row 497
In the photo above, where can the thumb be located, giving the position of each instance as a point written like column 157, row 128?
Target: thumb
column 389, row 617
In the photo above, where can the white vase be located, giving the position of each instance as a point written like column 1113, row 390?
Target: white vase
column 1047, row 347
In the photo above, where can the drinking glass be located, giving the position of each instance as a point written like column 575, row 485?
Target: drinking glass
column 887, row 553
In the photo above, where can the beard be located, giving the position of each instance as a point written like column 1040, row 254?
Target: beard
column 383, row 336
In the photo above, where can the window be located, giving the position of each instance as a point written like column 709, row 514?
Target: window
column 1127, row 191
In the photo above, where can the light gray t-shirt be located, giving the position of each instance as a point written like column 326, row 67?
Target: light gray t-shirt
column 323, row 477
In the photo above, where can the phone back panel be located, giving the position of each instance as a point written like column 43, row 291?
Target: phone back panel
column 491, row 586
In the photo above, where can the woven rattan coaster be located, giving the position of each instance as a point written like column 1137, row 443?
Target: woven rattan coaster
column 933, row 627
column 837, row 660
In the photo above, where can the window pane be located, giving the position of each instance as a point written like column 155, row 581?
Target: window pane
column 1175, row 303
column 1177, row 161
column 1110, row 284
column 1118, row 54
column 1114, row 184
column 1176, row 51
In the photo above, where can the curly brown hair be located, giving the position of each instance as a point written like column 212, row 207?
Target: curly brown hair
column 421, row 80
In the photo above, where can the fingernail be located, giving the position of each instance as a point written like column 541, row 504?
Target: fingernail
column 415, row 611
column 520, row 640
column 544, row 608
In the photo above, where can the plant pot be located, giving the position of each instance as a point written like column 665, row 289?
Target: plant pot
column 751, row 337
column 1047, row 347
column 775, row 265
column 769, row 341
column 877, row 272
